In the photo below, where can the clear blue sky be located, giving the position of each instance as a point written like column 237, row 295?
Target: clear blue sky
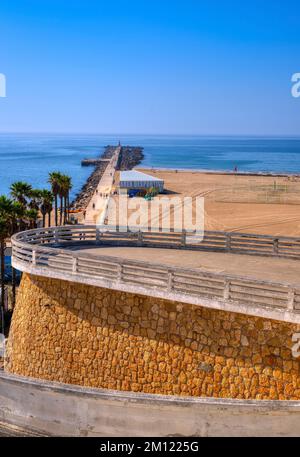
column 153, row 66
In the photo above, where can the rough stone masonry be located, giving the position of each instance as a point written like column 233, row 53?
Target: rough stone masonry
column 91, row 336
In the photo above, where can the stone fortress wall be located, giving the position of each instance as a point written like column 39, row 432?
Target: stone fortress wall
column 96, row 337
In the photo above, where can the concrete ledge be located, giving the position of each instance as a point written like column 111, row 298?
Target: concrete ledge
column 68, row 410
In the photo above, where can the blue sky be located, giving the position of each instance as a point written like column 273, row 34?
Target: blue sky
column 127, row 66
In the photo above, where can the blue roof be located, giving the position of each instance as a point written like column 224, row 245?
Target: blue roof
column 133, row 175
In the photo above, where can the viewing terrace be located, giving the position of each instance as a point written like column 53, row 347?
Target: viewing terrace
column 250, row 274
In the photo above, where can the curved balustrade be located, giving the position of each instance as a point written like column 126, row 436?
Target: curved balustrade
column 47, row 252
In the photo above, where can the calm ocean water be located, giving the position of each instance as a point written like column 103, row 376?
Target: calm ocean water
column 30, row 157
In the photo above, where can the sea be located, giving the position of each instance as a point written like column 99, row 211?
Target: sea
column 30, row 157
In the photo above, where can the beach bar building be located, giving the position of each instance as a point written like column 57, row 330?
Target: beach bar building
column 136, row 180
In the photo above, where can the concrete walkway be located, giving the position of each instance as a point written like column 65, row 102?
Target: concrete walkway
column 256, row 267
column 96, row 209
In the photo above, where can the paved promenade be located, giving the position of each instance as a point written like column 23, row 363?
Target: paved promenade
column 96, row 209
column 252, row 266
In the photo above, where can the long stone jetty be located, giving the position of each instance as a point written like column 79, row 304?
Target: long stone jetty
column 128, row 157
column 83, row 198
column 97, row 207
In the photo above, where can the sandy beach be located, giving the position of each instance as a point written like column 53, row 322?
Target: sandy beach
column 244, row 203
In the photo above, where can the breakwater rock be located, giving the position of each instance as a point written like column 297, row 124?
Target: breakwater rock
column 83, row 198
column 130, row 157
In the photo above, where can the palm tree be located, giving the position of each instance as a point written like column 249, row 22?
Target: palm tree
column 61, row 186
column 66, row 186
column 11, row 220
column 6, row 212
column 35, row 199
column 49, row 210
column 6, row 207
column 31, row 215
column 17, row 224
column 17, row 216
column 61, row 194
column 3, row 235
column 54, row 179
column 46, row 205
column 20, row 191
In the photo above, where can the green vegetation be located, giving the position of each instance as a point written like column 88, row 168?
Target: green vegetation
column 61, row 186
column 54, row 181
column 46, row 205
column 151, row 193
column 10, row 213
column 23, row 210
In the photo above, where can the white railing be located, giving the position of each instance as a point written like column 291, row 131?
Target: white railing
column 48, row 250
column 236, row 243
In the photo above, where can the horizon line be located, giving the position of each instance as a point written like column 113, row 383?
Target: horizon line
column 253, row 135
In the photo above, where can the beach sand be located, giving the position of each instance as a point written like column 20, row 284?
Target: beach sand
column 239, row 203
